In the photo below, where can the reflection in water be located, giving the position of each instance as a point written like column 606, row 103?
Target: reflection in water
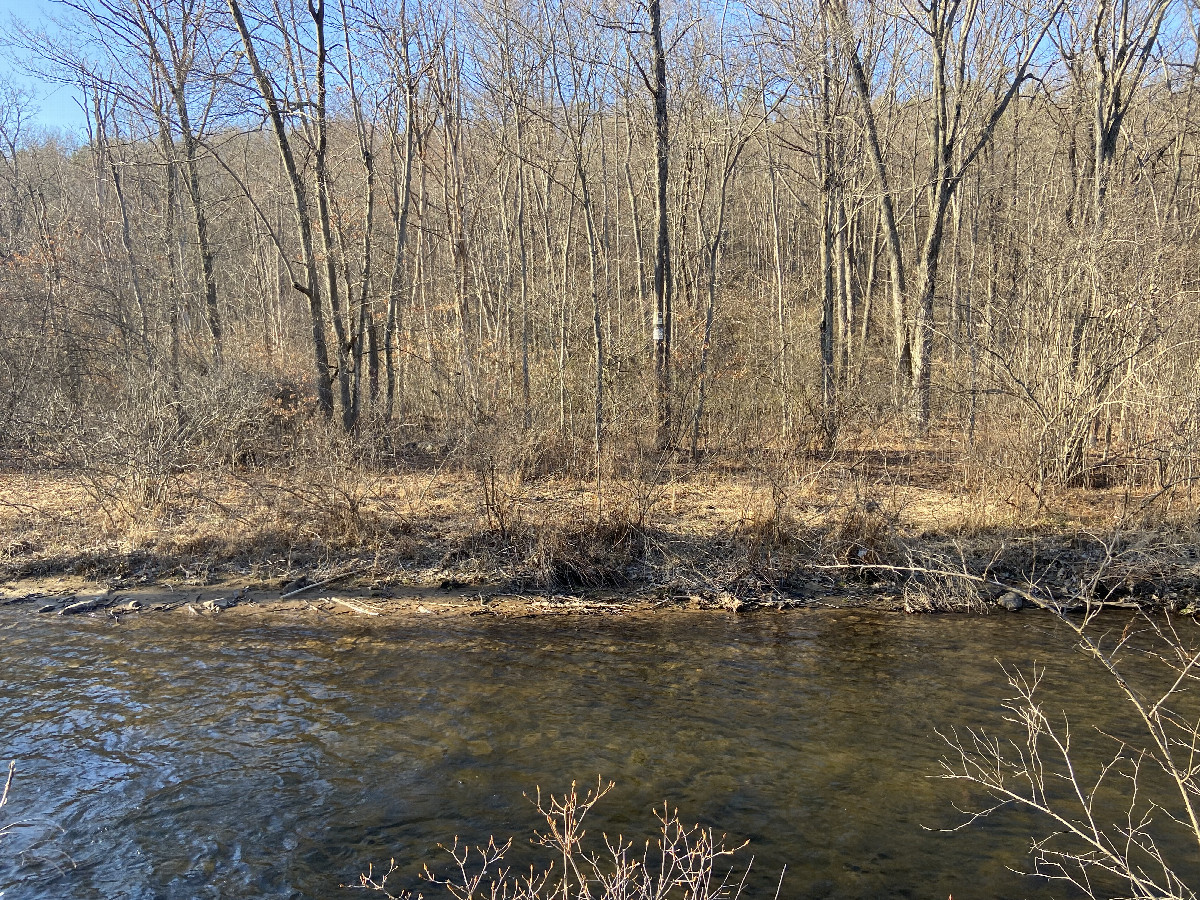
column 216, row 759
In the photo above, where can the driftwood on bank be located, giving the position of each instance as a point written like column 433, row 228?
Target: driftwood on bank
column 363, row 610
column 84, row 606
column 322, row 583
column 1072, row 604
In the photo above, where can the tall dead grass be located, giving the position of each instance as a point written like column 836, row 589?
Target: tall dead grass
column 223, row 472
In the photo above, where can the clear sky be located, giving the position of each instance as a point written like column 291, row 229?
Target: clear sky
column 57, row 109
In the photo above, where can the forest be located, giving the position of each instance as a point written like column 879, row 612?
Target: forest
column 306, row 251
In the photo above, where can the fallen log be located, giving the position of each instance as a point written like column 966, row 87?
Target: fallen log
column 316, row 584
column 84, row 606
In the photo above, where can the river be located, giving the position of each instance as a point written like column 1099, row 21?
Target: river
column 202, row 758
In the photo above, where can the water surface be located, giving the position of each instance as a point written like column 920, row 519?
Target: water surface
column 169, row 758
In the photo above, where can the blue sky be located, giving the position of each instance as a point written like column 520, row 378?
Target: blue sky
column 57, row 109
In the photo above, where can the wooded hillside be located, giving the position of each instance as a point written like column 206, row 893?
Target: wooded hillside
column 566, row 235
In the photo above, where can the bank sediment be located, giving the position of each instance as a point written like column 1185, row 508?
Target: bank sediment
column 618, row 570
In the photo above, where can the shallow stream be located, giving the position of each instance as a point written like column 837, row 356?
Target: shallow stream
column 170, row 758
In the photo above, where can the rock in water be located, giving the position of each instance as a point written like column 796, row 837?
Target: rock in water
column 1011, row 601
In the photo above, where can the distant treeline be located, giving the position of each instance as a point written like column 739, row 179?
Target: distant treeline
column 613, row 227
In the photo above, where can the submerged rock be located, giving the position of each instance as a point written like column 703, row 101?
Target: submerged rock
column 1011, row 601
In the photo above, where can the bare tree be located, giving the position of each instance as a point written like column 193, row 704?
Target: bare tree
column 733, row 126
column 275, row 110
column 392, row 30
column 979, row 55
column 850, row 41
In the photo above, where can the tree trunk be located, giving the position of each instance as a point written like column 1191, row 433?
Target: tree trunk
column 300, row 206
column 662, row 252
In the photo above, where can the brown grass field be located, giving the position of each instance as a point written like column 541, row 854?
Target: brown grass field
column 895, row 525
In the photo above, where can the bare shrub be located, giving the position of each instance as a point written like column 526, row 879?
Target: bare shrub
column 596, row 555
column 679, row 863
column 1068, row 374
column 332, row 487
column 6, row 829
column 136, row 452
column 932, row 592
column 37, row 849
column 1124, row 821
column 130, row 456
column 638, row 495
column 864, row 534
column 12, row 769
column 500, row 496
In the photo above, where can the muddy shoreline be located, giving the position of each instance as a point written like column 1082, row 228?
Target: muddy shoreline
column 351, row 591
column 66, row 598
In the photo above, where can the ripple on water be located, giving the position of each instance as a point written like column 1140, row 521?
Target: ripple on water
column 223, row 760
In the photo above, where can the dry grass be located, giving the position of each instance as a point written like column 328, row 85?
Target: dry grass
column 742, row 528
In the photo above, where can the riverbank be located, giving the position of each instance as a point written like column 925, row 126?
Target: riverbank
column 911, row 534
column 234, row 600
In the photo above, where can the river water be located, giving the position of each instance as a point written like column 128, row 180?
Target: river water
column 171, row 758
